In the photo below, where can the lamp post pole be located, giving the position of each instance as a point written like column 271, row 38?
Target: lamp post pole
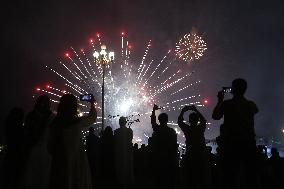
column 103, row 58
column 103, row 97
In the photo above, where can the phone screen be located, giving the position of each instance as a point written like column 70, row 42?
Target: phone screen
column 86, row 97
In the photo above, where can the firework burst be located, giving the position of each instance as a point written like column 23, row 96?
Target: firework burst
column 190, row 47
column 132, row 85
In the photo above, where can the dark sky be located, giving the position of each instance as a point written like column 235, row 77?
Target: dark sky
column 245, row 39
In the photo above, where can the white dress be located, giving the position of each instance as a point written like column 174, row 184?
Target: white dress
column 78, row 168
column 38, row 163
column 70, row 167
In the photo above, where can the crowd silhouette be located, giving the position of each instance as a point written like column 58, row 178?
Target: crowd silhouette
column 46, row 150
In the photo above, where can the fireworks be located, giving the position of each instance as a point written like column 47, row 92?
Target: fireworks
column 132, row 84
column 190, row 47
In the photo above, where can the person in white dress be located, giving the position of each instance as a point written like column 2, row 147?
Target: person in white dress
column 37, row 124
column 69, row 165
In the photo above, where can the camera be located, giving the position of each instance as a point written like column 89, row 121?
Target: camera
column 227, row 89
column 86, row 97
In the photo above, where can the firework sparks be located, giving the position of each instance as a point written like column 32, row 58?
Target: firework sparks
column 190, row 47
column 128, row 87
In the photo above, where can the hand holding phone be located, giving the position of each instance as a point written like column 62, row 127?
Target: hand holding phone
column 87, row 98
column 227, row 89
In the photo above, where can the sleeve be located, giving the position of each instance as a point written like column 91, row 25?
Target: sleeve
column 181, row 124
column 254, row 108
column 153, row 121
column 218, row 111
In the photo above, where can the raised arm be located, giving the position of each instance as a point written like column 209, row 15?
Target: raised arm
column 91, row 117
column 202, row 118
column 153, row 117
column 181, row 124
column 218, row 110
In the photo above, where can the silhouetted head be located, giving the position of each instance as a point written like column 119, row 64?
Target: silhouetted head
column 122, row 121
column 67, row 107
column 193, row 118
column 42, row 104
column 239, row 87
column 274, row 152
column 91, row 130
column 163, row 118
column 108, row 132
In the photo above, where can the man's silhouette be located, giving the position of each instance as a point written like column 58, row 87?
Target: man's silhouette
column 163, row 151
column 123, row 154
column 196, row 170
column 239, row 146
column 93, row 151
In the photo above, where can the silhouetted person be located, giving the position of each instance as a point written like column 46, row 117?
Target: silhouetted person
column 14, row 163
column 93, row 152
column 196, row 169
column 275, row 164
column 238, row 138
column 37, row 120
column 38, row 165
column 107, row 157
column 69, row 166
column 136, row 160
column 123, row 154
column 163, row 152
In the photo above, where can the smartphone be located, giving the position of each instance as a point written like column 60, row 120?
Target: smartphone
column 86, row 97
column 227, row 89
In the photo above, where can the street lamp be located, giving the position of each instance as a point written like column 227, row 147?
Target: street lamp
column 104, row 58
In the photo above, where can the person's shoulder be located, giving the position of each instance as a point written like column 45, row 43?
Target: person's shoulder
column 116, row 130
column 251, row 102
column 171, row 130
column 129, row 130
column 253, row 106
column 228, row 101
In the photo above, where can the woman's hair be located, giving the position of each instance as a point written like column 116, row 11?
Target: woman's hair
column 67, row 109
column 108, row 132
column 193, row 118
column 42, row 104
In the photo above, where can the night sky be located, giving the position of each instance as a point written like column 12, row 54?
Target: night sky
column 245, row 39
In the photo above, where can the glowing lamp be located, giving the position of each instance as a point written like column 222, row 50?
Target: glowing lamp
column 103, row 47
column 96, row 54
column 111, row 55
column 38, row 89
column 122, row 33
column 103, row 52
column 98, row 35
column 67, row 54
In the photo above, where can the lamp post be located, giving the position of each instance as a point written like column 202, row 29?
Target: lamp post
column 104, row 58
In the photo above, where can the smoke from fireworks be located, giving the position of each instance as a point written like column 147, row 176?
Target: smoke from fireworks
column 132, row 86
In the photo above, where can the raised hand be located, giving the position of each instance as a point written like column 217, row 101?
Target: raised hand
column 155, row 107
column 93, row 100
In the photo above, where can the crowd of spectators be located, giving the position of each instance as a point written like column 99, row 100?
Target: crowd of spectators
column 46, row 151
